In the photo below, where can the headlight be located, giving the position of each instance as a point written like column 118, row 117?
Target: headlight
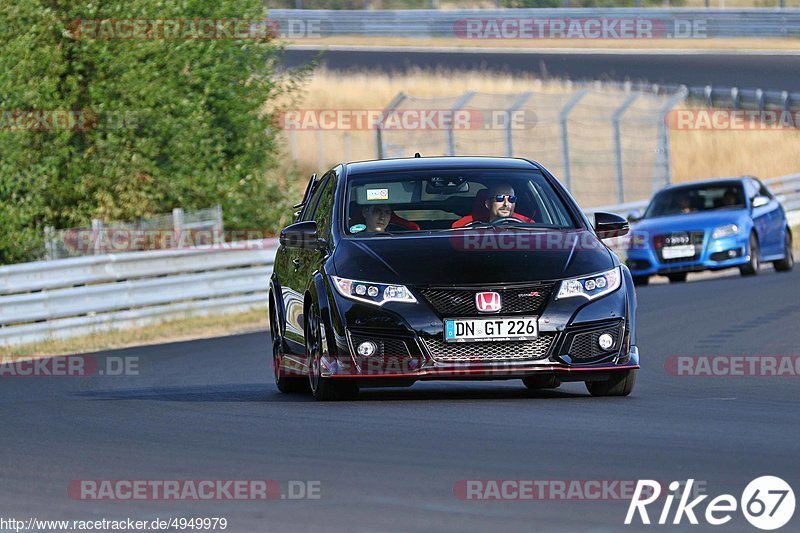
column 590, row 287
column 725, row 231
column 372, row 293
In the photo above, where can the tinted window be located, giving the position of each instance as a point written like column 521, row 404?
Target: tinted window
column 324, row 207
column 449, row 200
column 685, row 200
column 308, row 213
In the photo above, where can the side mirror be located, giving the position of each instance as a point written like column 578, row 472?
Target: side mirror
column 609, row 225
column 635, row 215
column 760, row 201
column 303, row 235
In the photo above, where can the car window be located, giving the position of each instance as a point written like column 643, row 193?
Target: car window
column 324, row 208
column 447, row 200
column 764, row 191
column 690, row 199
column 308, row 212
column 751, row 188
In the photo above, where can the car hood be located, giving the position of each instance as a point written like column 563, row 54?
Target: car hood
column 691, row 221
column 472, row 257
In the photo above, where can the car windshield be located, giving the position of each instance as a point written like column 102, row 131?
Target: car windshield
column 405, row 202
column 686, row 200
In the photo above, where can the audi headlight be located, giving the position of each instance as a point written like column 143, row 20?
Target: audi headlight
column 725, row 231
column 590, row 287
column 372, row 293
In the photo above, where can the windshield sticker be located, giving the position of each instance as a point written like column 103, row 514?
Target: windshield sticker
column 377, row 194
column 357, row 228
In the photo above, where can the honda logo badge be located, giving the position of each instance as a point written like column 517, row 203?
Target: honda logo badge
column 487, row 302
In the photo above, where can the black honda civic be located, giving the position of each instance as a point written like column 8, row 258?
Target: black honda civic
column 458, row 268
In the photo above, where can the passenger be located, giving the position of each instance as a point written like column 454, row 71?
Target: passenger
column 684, row 204
column 377, row 217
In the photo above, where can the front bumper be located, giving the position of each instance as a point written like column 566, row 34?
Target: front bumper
column 411, row 346
column 715, row 254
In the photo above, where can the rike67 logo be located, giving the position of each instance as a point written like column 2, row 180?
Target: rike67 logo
column 767, row 503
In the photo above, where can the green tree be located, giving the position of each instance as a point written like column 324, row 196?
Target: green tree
column 168, row 121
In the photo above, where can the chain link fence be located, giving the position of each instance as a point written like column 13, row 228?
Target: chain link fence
column 161, row 231
column 607, row 146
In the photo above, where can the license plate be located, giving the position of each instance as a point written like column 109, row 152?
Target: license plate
column 522, row 328
column 677, row 252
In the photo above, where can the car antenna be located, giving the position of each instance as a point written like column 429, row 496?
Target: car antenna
column 417, row 155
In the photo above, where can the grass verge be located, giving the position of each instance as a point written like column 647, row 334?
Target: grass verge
column 166, row 331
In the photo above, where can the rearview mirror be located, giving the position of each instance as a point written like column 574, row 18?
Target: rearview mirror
column 303, row 235
column 609, row 225
column 760, row 201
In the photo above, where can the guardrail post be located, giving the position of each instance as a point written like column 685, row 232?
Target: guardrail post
column 97, row 233
column 378, row 131
column 218, row 220
column 509, row 121
column 615, row 120
column 563, row 115
column 735, row 100
column 177, row 225
column 49, row 243
column 709, row 94
column 449, row 132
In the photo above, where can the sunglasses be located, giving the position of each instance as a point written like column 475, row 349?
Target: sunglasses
column 512, row 198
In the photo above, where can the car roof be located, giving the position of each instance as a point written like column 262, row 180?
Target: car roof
column 439, row 163
column 713, row 181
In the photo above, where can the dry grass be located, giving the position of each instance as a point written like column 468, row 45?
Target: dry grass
column 695, row 154
column 166, row 331
column 539, row 44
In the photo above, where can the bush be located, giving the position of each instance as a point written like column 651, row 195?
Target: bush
column 167, row 122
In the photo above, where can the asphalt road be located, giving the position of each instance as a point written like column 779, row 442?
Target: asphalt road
column 775, row 72
column 389, row 461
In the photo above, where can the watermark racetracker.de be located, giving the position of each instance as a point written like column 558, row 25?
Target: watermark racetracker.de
column 69, row 366
column 421, row 119
column 580, row 28
column 193, row 489
column 197, row 29
column 733, row 366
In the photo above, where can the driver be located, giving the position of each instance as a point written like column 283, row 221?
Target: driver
column 501, row 201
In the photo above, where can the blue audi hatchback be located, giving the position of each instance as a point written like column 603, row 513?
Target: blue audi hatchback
column 710, row 225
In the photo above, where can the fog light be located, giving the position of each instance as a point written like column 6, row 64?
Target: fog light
column 366, row 348
column 605, row 341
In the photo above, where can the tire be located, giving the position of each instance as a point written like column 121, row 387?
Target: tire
column 677, row 277
column 287, row 385
column 325, row 389
column 753, row 266
column 787, row 263
column 618, row 384
column 641, row 280
column 541, row 382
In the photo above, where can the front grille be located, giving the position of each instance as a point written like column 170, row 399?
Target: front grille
column 451, row 352
column 670, row 239
column 582, row 345
column 530, row 298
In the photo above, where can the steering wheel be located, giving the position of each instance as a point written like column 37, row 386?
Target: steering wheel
column 504, row 220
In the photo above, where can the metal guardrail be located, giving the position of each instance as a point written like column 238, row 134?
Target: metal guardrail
column 669, row 23
column 77, row 296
